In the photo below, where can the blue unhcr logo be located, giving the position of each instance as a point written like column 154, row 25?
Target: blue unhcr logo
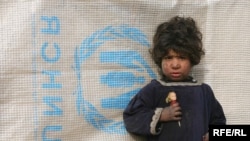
column 112, row 79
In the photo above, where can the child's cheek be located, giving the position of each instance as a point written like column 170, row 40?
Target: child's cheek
column 165, row 68
column 164, row 65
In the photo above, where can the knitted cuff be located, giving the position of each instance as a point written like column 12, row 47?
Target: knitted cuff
column 155, row 129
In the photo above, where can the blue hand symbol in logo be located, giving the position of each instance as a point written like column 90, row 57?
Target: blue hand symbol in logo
column 129, row 60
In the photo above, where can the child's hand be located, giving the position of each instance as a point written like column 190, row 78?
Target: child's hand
column 206, row 137
column 170, row 113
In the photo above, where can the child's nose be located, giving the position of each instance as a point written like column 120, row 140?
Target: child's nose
column 175, row 64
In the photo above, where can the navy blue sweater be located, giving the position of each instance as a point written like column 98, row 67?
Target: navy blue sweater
column 199, row 109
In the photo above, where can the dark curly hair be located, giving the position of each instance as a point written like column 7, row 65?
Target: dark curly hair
column 181, row 35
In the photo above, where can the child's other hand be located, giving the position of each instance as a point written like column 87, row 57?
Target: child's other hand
column 171, row 113
column 206, row 137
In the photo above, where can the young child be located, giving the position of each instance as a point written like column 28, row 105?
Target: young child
column 177, row 47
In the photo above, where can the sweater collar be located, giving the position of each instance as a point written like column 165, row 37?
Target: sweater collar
column 190, row 81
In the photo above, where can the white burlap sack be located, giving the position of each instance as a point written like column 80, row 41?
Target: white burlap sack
column 69, row 67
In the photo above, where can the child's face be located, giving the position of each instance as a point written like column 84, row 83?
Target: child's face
column 176, row 67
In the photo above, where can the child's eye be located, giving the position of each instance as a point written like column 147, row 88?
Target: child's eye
column 183, row 57
column 167, row 57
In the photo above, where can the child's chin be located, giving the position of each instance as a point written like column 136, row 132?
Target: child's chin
column 176, row 79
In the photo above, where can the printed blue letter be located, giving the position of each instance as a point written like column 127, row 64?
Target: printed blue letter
column 52, row 83
column 50, row 59
column 53, row 25
column 50, row 101
column 50, row 129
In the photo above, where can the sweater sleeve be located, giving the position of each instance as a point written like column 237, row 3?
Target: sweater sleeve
column 217, row 116
column 141, row 116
